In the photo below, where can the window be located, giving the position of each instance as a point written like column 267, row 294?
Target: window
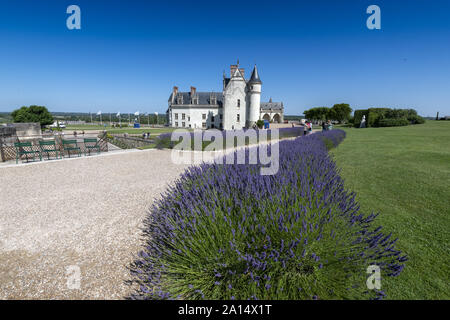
column 183, row 124
column 183, row 116
column 212, row 119
column 204, row 125
column 238, row 117
column 239, row 103
column 204, row 116
column 176, row 116
column 176, row 124
column 221, row 116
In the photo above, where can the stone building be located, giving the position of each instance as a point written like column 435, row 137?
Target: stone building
column 237, row 106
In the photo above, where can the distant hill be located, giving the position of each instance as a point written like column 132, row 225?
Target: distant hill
column 294, row 118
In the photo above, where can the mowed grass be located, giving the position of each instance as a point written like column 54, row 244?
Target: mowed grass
column 129, row 130
column 404, row 174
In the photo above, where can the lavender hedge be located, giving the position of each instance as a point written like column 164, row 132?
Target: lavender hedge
column 227, row 232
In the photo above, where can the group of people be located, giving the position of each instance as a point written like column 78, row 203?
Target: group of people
column 76, row 133
column 146, row 135
column 327, row 125
column 307, row 127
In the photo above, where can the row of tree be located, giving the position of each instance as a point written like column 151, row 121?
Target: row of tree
column 339, row 112
column 44, row 117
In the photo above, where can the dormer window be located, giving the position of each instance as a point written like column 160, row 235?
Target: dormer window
column 179, row 99
column 213, row 100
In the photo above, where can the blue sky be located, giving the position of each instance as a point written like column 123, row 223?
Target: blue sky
column 129, row 54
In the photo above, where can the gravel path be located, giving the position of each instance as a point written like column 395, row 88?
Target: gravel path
column 84, row 212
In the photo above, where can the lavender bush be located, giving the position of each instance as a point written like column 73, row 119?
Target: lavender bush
column 227, row 232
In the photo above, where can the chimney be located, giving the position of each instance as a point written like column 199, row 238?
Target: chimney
column 233, row 68
column 174, row 93
column 193, row 91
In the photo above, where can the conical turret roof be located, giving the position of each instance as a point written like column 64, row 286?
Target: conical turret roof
column 254, row 79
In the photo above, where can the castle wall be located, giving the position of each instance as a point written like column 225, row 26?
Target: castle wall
column 195, row 117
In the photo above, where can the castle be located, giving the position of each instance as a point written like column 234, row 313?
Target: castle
column 237, row 106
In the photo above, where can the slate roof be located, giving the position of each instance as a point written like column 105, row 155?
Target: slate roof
column 255, row 77
column 203, row 98
column 272, row 106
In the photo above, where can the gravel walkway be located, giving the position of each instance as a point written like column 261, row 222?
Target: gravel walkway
column 84, row 212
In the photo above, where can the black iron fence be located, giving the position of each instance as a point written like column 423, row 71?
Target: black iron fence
column 8, row 150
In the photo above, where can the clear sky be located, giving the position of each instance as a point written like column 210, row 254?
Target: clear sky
column 129, row 54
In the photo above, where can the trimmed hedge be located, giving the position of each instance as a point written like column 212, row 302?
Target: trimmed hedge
column 375, row 117
column 228, row 232
column 393, row 122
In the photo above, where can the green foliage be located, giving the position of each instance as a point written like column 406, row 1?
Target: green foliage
column 328, row 143
column 416, row 119
column 393, row 122
column 385, row 117
column 260, row 123
column 375, row 115
column 33, row 114
column 340, row 112
column 319, row 113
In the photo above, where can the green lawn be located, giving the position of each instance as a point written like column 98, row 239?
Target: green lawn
column 129, row 130
column 404, row 174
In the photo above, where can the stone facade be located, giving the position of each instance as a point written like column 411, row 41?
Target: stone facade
column 237, row 106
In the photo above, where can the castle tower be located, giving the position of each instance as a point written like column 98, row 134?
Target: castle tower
column 254, row 90
column 234, row 94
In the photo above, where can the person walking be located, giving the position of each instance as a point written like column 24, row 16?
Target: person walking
column 324, row 126
column 329, row 125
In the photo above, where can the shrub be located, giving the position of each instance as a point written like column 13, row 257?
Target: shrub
column 260, row 124
column 225, row 232
column 416, row 119
column 389, row 122
column 375, row 115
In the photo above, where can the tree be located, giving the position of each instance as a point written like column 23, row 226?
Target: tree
column 340, row 112
column 33, row 114
column 319, row 113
